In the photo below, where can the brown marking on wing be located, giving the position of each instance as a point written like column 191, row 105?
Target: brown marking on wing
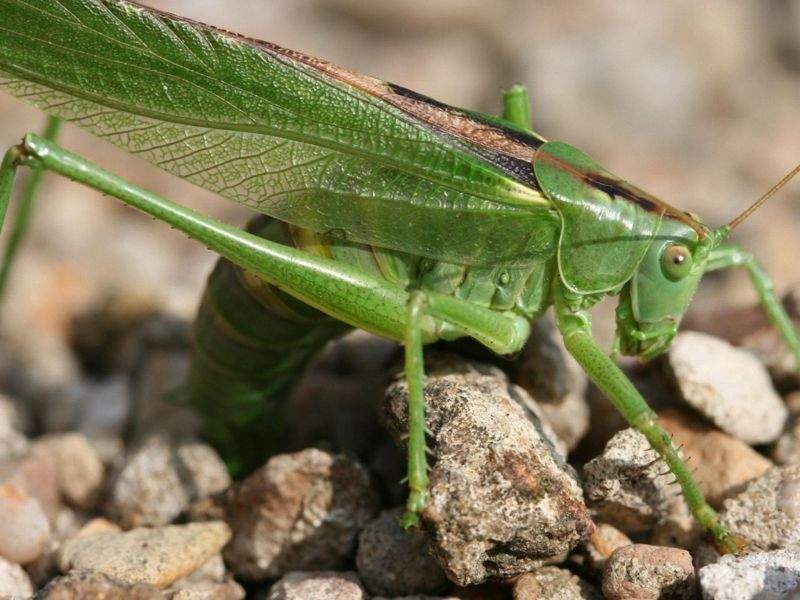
column 434, row 114
column 615, row 187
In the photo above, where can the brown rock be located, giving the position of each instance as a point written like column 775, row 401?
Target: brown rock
column 394, row 562
column 502, row 498
column 301, row 510
column 552, row 583
column 641, row 571
column 722, row 464
column 155, row 556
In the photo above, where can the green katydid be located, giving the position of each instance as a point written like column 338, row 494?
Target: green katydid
column 390, row 212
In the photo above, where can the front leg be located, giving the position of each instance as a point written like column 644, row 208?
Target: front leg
column 415, row 380
column 732, row 256
column 575, row 327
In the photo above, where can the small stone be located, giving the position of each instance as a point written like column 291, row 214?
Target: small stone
column 394, row 562
column 501, row 497
column 158, row 556
column 24, row 527
column 14, row 581
column 79, row 471
column 598, row 548
column 301, row 510
column 766, row 515
column 764, row 575
column 728, row 385
column 320, row 585
column 787, row 449
column 641, row 571
column 626, row 487
column 36, row 474
column 722, row 465
column 162, row 478
column 552, row 583
column 80, row 585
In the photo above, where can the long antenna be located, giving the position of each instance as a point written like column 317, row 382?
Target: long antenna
column 758, row 203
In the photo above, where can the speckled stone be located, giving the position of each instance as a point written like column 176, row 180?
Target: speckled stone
column 157, row 556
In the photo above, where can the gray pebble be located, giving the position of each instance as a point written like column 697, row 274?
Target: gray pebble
column 394, row 562
column 502, row 499
column 162, row 478
column 321, row 585
column 763, row 576
column 727, row 385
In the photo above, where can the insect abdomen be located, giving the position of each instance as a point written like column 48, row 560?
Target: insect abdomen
column 251, row 343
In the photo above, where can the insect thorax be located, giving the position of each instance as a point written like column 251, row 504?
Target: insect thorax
column 523, row 289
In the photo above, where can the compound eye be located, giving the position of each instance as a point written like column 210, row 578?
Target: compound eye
column 676, row 262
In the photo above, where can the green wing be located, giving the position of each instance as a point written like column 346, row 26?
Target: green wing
column 607, row 223
column 288, row 135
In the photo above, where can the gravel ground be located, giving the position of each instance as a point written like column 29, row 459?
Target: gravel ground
column 537, row 490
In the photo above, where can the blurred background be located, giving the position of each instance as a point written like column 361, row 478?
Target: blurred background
column 696, row 102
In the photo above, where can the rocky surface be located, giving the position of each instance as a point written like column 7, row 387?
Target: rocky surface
column 643, row 572
column 299, row 510
column 502, row 498
column 765, row 575
column 727, row 385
